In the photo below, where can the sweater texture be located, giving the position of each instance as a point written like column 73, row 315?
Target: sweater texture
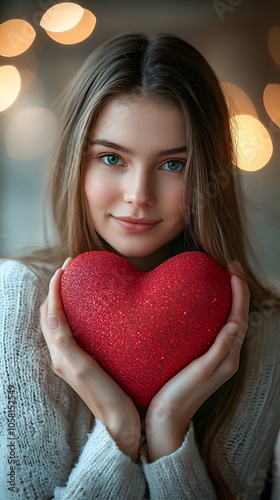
column 48, row 452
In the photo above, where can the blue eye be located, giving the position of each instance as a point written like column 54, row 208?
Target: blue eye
column 112, row 160
column 173, row 166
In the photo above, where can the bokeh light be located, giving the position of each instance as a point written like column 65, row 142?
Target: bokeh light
column 32, row 89
column 271, row 100
column 239, row 102
column 16, row 36
column 62, row 17
column 253, row 143
column 32, row 93
column 30, row 134
column 274, row 43
column 80, row 32
column 28, row 79
column 9, row 86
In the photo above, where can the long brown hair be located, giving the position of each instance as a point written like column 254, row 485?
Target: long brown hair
column 168, row 69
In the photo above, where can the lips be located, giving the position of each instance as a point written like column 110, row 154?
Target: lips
column 135, row 224
column 135, row 220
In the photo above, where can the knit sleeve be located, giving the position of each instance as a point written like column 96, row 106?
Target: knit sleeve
column 115, row 476
column 181, row 474
column 45, row 451
column 249, row 440
column 243, row 448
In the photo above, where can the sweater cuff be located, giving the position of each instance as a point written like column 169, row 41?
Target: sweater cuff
column 181, row 474
column 103, row 471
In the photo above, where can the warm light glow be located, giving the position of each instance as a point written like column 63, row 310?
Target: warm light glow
column 9, row 86
column 28, row 78
column 32, row 93
column 80, row 32
column 239, row 102
column 62, row 17
column 253, row 143
column 31, row 88
column 274, row 43
column 31, row 133
column 271, row 100
column 16, row 36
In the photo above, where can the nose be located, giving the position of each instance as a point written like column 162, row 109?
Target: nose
column 139, row 188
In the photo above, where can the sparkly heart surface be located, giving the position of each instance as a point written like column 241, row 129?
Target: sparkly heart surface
column 144, row 327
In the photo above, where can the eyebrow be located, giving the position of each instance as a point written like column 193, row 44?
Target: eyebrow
column 118, row 147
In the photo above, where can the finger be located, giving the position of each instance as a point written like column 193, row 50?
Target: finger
column 46, row 327
column 220, row 348
column 229, row 341
column 235, row 267
column 43, row 322
column 66, row 263
column 54, row 299
column 58, row 336
column 231, row 337
column 240, row 305
column 52, row 313
column 63, row 348
column 57, row 332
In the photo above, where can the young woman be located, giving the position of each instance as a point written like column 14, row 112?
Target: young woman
column 144, row 168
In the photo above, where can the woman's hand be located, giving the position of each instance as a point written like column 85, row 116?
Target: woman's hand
column 103, row 396
column 172, row 408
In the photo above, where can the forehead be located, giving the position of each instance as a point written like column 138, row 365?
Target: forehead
column 141, row 120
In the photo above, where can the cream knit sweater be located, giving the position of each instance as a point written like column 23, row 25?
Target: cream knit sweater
column 45, row 448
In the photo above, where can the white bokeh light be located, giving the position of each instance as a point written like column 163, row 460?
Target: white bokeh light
column 10, row 83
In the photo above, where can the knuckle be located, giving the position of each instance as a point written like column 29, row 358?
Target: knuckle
column 202, row 375
column 234, row 365
column 60, row 341
column 57, row 369
column 231, row 367
column 225, row 345
column 79, row 371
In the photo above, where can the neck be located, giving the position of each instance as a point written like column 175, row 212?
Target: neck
column 149, row 262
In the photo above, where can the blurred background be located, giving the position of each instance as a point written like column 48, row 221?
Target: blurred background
column 41, row 53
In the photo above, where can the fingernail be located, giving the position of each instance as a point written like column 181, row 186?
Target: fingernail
column 65, row 263
column 232, row 328
column 53, row 322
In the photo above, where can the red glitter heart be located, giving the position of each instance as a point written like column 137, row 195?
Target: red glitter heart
column 143, row 328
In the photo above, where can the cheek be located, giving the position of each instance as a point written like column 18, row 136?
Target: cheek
column 173, row 197
column 99, row 189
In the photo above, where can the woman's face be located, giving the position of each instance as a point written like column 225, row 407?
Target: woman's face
column 133, row 179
